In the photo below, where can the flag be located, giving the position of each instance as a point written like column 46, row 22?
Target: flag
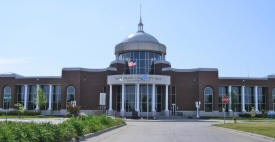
column 143, row 77
column 132, row 63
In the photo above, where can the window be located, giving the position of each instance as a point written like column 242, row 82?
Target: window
column 56, row 97
column 145, row 98
column 46, row 91
column 261, row 98
column 20, row 93
column 129, row 98
column 31, row 97
column 70, row 94
column 208, row 99
column 236, row 99
column 173, row 95
column 159, row 91
column 222, row 93
column 7, row 97
column 273, row 94
column 118, row 97
column 249, row 99
column 144, row 62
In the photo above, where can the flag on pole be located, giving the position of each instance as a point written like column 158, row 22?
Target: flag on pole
column 132, row 63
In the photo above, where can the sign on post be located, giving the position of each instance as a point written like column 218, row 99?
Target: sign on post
column 102, row 99
column 225, row 100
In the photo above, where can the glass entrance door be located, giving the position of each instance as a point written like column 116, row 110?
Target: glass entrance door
column 145, row 98
column 130, row 98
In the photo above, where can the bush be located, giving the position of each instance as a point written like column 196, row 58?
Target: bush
column 46, row 132
column 73, row 110
column 16, row 112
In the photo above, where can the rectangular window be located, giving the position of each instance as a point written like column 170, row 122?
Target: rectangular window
column 20, row 93
column 56, row 98
column 173, row 95
column 31, row 97
column 261, row 98
column 249, row 98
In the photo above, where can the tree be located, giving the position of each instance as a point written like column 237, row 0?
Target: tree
column 20, row 109
column 253, row 113
column 40, row 98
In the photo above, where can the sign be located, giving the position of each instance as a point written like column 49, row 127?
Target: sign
column 7, row 97
column 138, row 78
column 102, row 99
column 225, row 100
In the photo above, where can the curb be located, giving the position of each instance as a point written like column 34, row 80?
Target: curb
column 90, row 135
column 233, row 131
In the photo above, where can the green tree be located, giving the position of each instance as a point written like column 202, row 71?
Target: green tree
column 40, row 98
column 20, row 109
column 253, row 113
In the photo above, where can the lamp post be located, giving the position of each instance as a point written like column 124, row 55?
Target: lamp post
column 197, row 103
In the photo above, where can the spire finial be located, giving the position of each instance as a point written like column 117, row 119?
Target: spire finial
column 140, row 25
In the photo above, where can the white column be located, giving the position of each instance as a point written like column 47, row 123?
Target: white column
column 166, row 100
column 137, row 96
column 110, row 98
column 230, row 98
column 37, row 106
column 256, row 98
column 122, row 100
column 26, row 97
column 50, row 96
column 153, row 99
column 243, row 98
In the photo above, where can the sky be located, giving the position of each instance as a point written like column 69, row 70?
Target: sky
column 39, row 38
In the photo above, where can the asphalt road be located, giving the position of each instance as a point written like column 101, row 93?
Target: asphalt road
column 171, row 131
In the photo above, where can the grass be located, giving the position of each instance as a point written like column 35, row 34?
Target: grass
column 230, row 118
column 35, row 116
column 262, row 128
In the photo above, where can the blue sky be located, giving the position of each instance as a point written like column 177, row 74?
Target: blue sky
column 41, row 37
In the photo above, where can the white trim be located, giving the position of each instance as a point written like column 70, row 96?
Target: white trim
column 245, row 78
column 189, row 70
column 90, row 70
column 162, row 62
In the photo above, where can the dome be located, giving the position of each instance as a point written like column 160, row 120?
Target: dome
column 140, row 37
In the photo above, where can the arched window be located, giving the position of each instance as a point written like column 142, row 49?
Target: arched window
column 273, row 94
column 208, row 99
column 6, row 97
column 70, row 94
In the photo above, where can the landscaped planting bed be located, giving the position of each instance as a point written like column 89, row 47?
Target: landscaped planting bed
column 46, row 132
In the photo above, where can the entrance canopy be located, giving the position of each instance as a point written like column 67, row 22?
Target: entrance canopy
column 138, row 78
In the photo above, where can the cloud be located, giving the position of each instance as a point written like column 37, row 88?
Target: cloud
column 12, row 61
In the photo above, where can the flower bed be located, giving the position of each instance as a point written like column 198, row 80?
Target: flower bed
column 46, row 132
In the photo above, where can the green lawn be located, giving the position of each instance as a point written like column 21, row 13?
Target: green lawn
column 29, row 116
column 230, row 118
column 262, row 128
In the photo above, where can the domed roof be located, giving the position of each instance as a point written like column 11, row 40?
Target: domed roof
column 140, row 37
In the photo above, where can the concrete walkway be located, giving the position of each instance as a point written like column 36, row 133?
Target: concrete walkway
column 175, row 131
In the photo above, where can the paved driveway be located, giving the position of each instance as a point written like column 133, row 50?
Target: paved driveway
column 172, row 131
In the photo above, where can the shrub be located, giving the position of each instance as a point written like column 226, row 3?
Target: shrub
column 15, row 112
column 46, row 132
column 73, row 110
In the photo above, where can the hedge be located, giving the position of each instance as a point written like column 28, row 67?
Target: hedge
column 15, row 112
column 46, row 132
column 247, row 115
